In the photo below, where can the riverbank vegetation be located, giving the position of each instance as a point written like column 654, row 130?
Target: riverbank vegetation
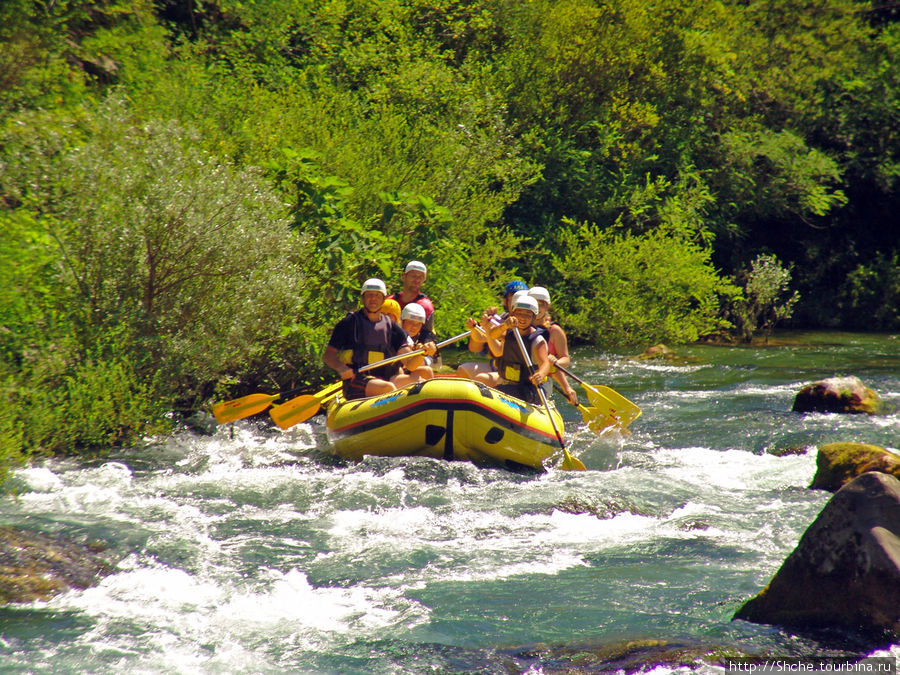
column 192, row 192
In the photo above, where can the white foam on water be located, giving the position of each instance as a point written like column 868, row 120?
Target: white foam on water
column 735, row 470
column 385, row 533
column 759, row 504
column 39, row 479
column 744, row 390
column 885, row 421
column 493, row 545
column 100, row 489
column 653, row 367
column 249, row 448
column 556, row 562
column 186, row 619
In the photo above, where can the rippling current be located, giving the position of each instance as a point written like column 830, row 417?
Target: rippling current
column 252, row 550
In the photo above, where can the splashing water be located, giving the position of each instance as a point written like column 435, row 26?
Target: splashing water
column 253, row 551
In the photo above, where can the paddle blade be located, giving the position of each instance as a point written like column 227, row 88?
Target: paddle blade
column 239, row 408
column 611, row 404
column 595, row 419
column 329, row 392
column 296, row 410
column 302, row 408
column 571, row 463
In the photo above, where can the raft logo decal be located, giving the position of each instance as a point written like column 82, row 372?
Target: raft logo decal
column 387, row 399
column 512, row 404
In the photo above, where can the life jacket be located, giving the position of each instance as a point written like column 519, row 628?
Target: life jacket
column 372, row 343
column 511, row 364
column 424, row 336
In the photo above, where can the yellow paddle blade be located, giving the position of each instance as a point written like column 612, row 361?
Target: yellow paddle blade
column 302, row 408
column 571, row 463
column 239, row 408
column 595, row 419
column 329, row 391
column 295, row 411
column 587, row 414
column 612, row 404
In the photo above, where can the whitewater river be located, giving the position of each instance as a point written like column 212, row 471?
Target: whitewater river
column 252, row 551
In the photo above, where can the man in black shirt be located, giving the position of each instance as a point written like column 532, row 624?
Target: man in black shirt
column 363, row 337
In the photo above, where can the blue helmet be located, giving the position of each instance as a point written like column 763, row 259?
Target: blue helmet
column 515, row 286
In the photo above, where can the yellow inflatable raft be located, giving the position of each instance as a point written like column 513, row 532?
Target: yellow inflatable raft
column 446, row 418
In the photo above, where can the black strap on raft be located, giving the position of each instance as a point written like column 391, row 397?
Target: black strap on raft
column 448, row 439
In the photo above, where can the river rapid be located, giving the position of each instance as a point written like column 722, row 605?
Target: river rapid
column 252, row 550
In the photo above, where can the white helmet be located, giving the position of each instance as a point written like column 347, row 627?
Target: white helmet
column 413, row 311
column 525, row 301
column 517, row 295
column 539, row 293
column 416, row 265
column 375, row 285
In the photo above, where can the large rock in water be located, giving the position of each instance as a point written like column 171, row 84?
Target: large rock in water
column 845, row 572
column 837, row 395
column 839, row 463
column 35, row 566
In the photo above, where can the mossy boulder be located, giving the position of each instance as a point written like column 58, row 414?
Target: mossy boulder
column 838, row 395
column 839, row 463
column 845, row 572
column 35, row 566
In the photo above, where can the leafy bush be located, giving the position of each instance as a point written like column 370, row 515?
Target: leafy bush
column 189, row 259
column 870, row 297
column 13, row 450
column 774, row 174
column 766, row 299
column 32, row 301
column 623, row 289
column 95, row 404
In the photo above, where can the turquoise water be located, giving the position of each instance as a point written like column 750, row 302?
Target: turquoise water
column 253, row 551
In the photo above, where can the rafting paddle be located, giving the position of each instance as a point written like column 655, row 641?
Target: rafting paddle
column 245, row 406
column 593, row 417
column 608, row 401
column 302, row 408
column 569, row 463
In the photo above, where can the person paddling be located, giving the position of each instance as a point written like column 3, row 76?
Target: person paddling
column 363, row 337
column 412, row 319
column 414, row 275
column 557, row 342
column 491, row 323
column 513, row 375
column 392, row 309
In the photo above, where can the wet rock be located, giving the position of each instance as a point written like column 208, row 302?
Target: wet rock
column 36, row 567
column 838, row 395
column 839, row 463
column 788, row 450
column 659, row 351
column 201, row 422
column 600, row 507
column 629, row 656
column 845, row 572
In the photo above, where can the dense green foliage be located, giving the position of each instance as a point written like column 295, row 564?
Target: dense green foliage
column 191, row 192
column 766, row 297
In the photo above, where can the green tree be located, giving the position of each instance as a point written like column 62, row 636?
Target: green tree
column 766, row 298
column 624, row 289
column 870, row 297
column 168, row 261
